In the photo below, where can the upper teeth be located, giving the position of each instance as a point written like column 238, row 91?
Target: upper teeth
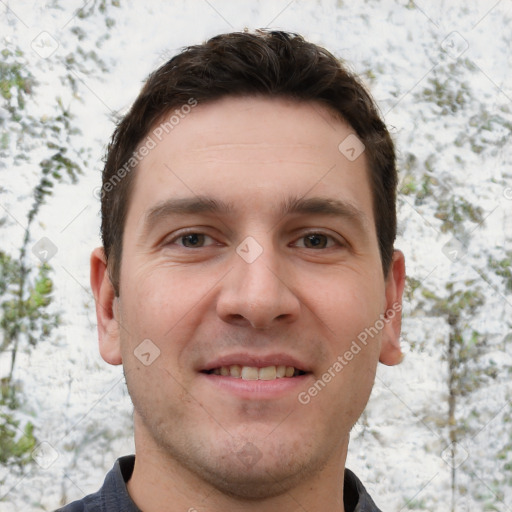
column 255, row 373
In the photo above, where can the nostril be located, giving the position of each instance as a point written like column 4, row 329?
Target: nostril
column 237, row 319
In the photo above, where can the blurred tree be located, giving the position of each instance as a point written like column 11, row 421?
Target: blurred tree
column 37, row 144
column 437, row 182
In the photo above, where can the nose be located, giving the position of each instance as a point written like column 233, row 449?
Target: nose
column 258, row 292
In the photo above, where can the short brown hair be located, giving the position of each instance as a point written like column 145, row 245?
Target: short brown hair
column 264, row 63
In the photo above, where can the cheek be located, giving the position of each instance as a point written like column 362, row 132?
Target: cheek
column 157, row 300
column 156, row 394
column 167, row 308
column 347, row 303
column 350, row 308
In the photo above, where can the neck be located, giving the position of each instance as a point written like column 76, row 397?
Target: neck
column 160, row 484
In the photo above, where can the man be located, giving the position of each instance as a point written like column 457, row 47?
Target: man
column 248, row 282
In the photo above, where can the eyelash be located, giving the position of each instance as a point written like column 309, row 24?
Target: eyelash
column 184, row 234
column 320, row 233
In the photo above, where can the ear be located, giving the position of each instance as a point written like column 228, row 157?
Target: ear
column 390, row 352
column 106, row 308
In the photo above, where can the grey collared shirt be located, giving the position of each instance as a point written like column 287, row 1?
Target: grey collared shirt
column 113, row 495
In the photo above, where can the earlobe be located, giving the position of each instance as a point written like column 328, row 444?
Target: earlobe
column 106, row 305
column 391, row 353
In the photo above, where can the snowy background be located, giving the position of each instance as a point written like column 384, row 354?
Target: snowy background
column 441, row 73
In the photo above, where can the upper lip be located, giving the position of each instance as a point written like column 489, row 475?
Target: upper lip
column 255, row 360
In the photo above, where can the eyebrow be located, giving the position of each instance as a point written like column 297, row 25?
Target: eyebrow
column 291, row 206
column 325, row 206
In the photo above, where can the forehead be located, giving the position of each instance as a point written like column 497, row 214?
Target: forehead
column 255, row 152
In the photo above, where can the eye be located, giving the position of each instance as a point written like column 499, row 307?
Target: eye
column 191, row 240
column 317, row 241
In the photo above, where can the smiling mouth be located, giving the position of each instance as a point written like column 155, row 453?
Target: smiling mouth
column 255, row 373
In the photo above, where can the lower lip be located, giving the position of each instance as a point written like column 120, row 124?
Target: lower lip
column 257, row 389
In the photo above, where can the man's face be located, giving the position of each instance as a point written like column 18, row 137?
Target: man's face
column 250, row 243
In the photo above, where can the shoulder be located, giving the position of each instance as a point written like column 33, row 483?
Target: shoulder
column 90, row 503
column 112, row 496
column 355, row 496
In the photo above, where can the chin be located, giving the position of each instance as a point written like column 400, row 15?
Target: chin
column 246, row 462
column 270, row 476
column 242, row 469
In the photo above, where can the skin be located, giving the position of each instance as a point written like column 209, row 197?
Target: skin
column 197, row 299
